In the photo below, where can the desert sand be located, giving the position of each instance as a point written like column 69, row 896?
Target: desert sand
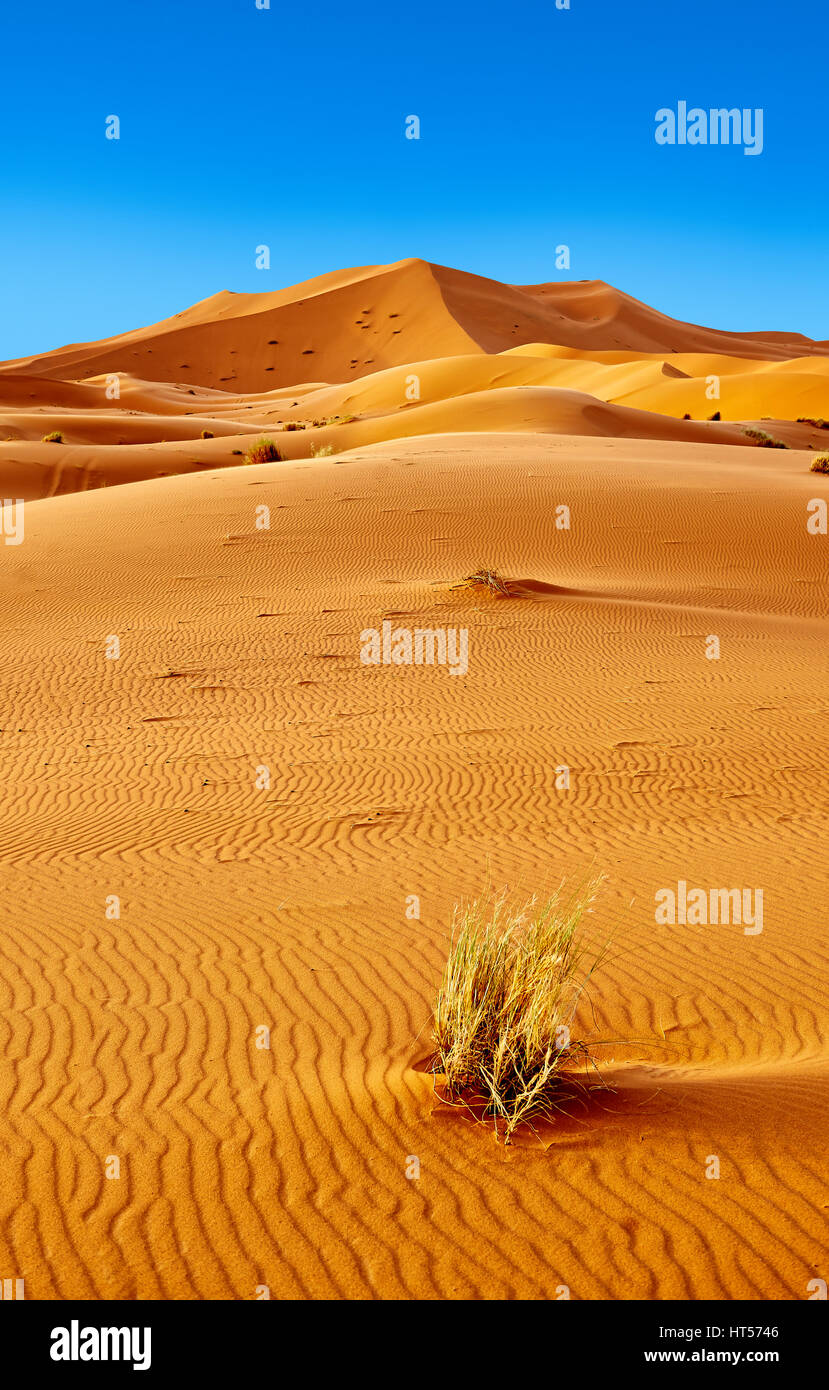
column 284, row 905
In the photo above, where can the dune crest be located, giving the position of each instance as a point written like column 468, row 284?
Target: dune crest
column 380, row 353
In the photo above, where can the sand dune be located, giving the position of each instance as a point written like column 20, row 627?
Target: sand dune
column 462, row 415
column 286, row 906
column 387, row 316
column 156, row 429
column 389, row 352
column 104, row 457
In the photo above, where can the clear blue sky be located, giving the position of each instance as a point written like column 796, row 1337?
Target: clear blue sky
column 286, row 127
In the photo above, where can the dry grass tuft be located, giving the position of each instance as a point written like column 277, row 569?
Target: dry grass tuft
column 502, row 1017
column 263, row 451
column 764, row 440
column 820, row 464
column 54, row 438
column 486, row 579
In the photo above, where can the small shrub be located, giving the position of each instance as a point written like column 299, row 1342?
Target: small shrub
column 715, row 416
column 687, row 417
column 207, row 434
column 323, row 452
column 236, row 451
column 263, row 451
column 763, row 440
column 486, row 579
column 507, row 1000
column 820, row 464
column 819, row 423
column 54, row 438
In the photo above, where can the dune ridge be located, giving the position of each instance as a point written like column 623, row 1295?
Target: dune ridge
column 388, row 352
column 432, row 310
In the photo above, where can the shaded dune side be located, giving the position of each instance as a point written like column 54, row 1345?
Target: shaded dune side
column 590, row 313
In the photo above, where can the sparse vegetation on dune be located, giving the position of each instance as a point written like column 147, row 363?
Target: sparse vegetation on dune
column 323, row 452
column 486, row 579
column 333, row 420
column 820, row 464
column 503, row 1015
column 54, row 438
column 819, row 423
column 263, row 451
column 763, row 440
column 207, row 434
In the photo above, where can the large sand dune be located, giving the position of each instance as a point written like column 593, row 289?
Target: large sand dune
column 388, row 352
column 284, row 905
column 342, row 325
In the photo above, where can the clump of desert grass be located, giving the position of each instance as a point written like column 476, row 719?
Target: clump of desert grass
column 764, row 440
column 263, row 451
column 54, row 438
column 820, row 464
column 323, row 452
column 207, row 434
column 506, row 1005
column 486, row 579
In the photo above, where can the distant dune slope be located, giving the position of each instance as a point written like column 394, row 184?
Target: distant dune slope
column 344, row 325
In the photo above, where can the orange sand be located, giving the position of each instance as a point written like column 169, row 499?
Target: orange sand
column 286, row 906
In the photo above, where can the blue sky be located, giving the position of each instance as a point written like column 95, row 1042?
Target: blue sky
column 286, row 127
